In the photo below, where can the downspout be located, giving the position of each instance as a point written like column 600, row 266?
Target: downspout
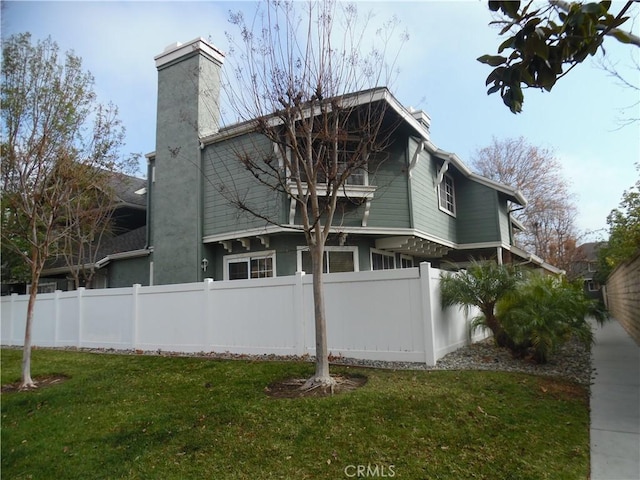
column 200, row 272
column 150, row 192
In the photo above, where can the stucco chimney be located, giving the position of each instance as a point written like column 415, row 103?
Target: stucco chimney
column 188, row 109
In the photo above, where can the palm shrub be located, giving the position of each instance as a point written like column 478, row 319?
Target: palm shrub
column 543, row 312
column 481, row 285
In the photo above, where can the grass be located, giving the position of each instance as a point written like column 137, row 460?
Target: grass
column 135, row 417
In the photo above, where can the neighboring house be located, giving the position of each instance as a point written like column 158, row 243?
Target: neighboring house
column 121, row 256
column 420, row 204
column 585, row 266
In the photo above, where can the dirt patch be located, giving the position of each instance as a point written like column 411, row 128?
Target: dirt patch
column 41, row 382
column 563, row 390
column 293, row 387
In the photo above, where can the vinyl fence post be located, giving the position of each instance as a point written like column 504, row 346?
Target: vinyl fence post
column 56, row 317
column 80, row 315
column 427, row 315
column 299, row 314
column 208, row 315
column 135, row 292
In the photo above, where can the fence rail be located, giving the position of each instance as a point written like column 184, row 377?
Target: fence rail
column 392, row 315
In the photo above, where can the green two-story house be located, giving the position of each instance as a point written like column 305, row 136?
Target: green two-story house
column 420, row 204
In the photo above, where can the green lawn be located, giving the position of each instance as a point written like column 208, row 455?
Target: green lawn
column 186, row 418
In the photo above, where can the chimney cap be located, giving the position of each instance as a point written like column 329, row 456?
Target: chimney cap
column 177, row 50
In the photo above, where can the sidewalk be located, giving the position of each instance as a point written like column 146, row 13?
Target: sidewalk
column 615, row 405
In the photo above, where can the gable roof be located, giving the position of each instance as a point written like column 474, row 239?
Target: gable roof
column 130, row 244
column 419, row 128
column 129, row 190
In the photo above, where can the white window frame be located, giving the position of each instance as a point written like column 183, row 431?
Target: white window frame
column 445, row 179
column 327, row 251
column 375, row 251
column 409, row 258
column 248, row 257
column 46, row 287
column 348, row 189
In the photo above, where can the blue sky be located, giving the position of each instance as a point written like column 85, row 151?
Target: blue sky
column 579, row 119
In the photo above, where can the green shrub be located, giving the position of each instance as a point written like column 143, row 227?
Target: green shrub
column 481, row 285
column 543, row 312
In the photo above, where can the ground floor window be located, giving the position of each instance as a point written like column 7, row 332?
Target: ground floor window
column 406, row 261
column 382, row 260
column 245, row 266
column 336, row 259
column 592, row 285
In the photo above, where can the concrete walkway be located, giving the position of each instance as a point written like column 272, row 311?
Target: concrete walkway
column 615, row 405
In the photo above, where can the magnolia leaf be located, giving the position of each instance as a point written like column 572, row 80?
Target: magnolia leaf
column 508, row 43
column 511, row 9
column 492, row 60
column 593, row 8
column 494, row 5
column 493, row 89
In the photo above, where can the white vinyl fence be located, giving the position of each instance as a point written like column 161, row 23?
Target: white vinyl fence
column 392, row 315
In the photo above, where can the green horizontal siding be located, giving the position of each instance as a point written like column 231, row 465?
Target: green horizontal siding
column 127, row 272
column 427, row 216
column 390, row 204
column 226, row 180
column 477, row 212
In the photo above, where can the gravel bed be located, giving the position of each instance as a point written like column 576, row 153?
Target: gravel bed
column 572, row 361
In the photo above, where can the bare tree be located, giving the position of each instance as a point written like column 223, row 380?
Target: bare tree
column 304, row 80
column 51, row 125
column 549, row 217
column 87, row 218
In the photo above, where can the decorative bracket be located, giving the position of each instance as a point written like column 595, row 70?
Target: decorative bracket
column 264, row 240
column 367, row 209
column 441, row 172
column 292, row 211
column 416, row 157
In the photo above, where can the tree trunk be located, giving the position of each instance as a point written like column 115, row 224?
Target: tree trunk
column 27, row 382
column 321, row 378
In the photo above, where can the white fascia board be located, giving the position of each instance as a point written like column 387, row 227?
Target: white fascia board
column 143, row 252
column 516, row 194
column 251, row 232
column 100, row 263
column 471, row 246
column 518, row 224
column 530, row 257
column 349, row 100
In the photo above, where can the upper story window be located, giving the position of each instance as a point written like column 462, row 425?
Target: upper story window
column 447, row 195
column 346, row 155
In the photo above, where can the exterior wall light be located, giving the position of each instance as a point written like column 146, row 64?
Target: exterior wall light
column 204, row 264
